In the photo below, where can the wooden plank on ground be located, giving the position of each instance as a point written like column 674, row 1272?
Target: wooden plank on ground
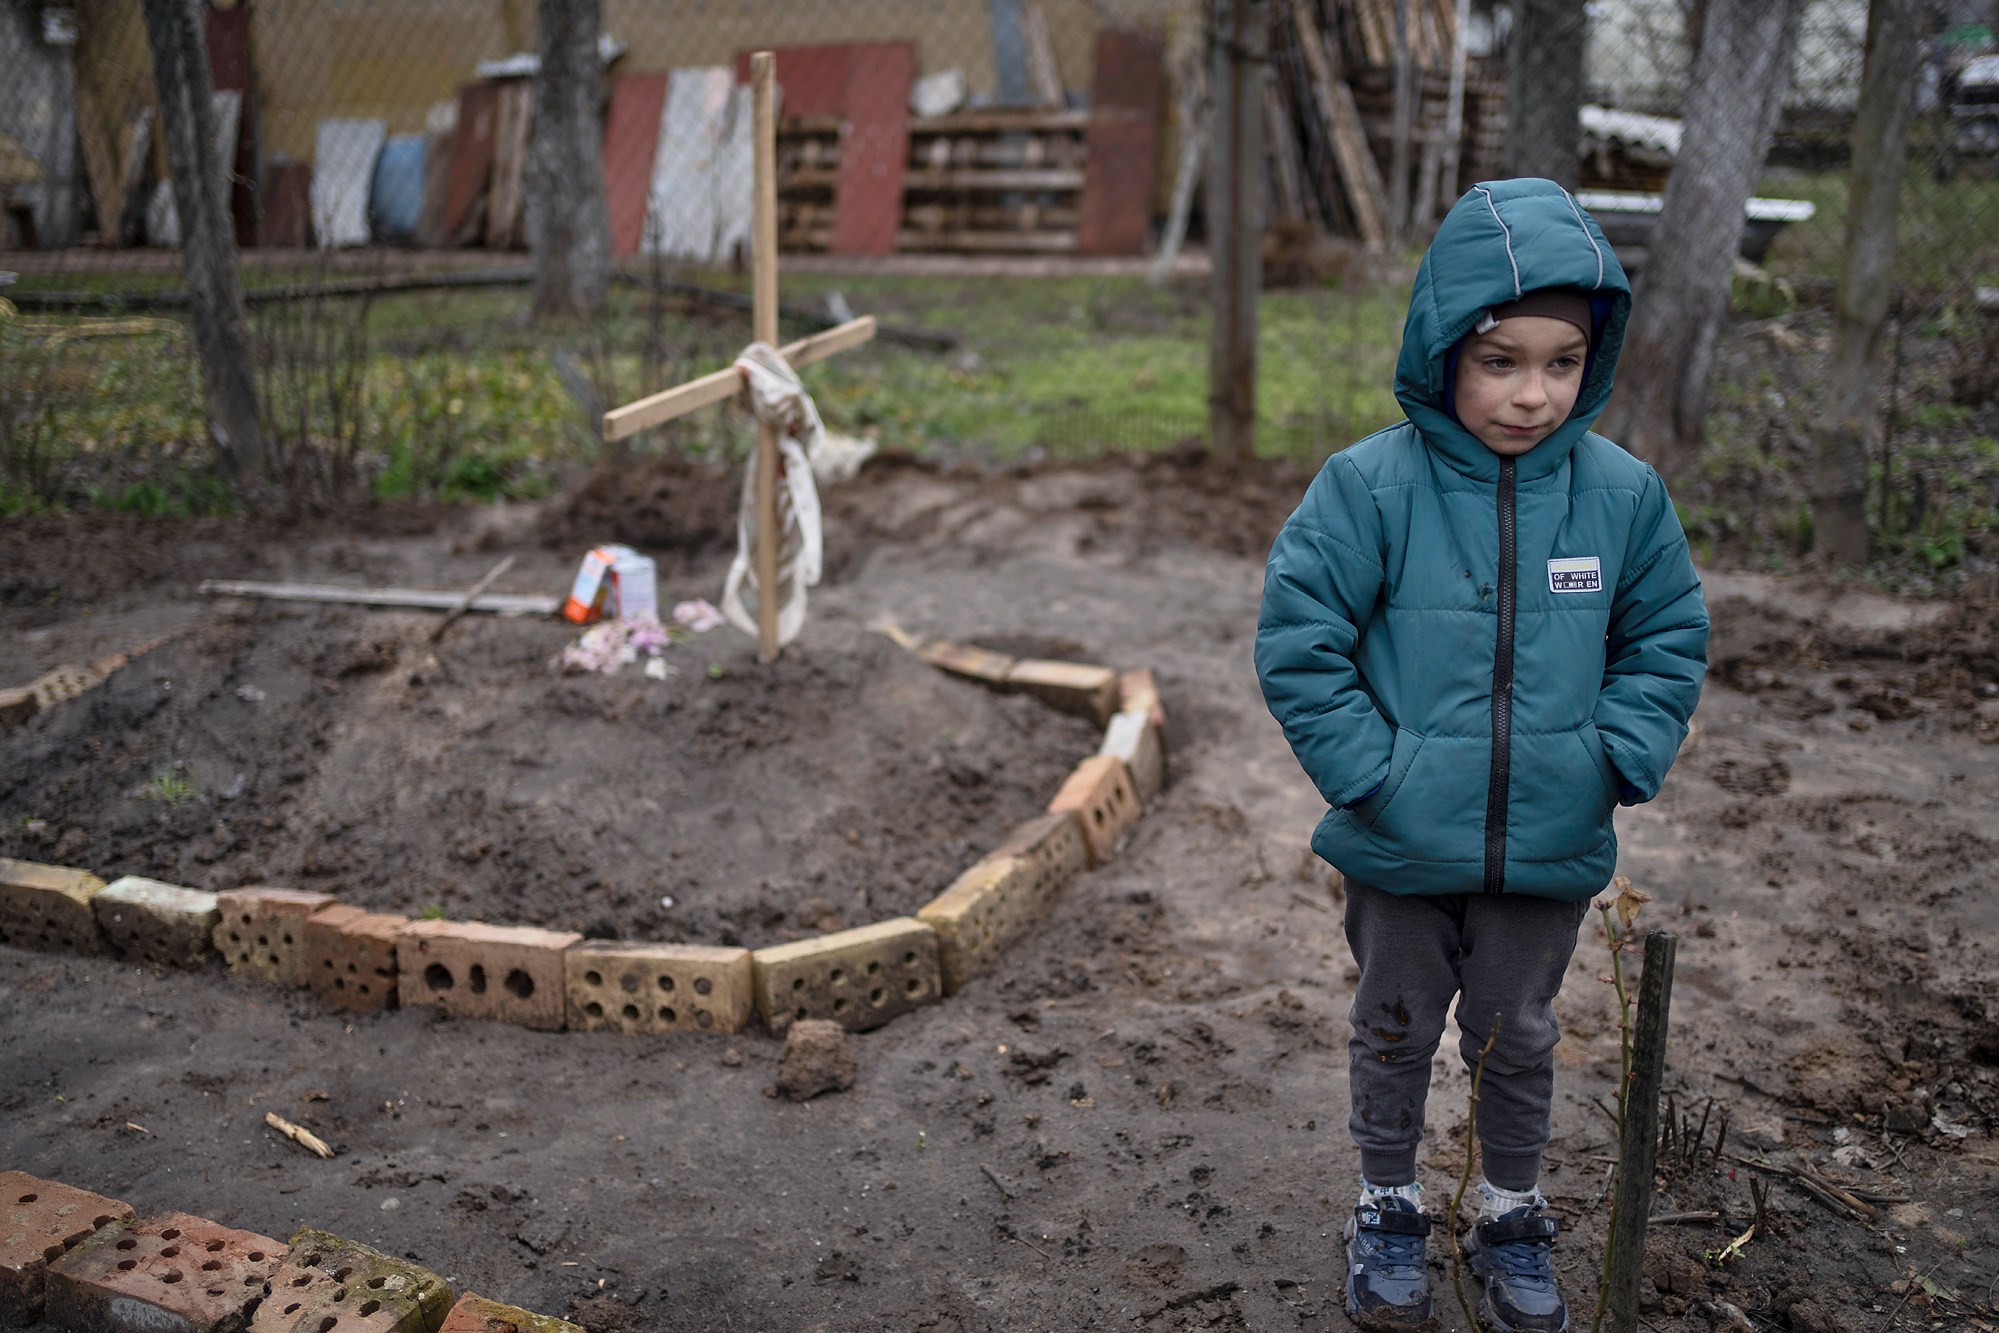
column 874, row 149
column 631, row 137
column 1122, row 143
column 419, row 599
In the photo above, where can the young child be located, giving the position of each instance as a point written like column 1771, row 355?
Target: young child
column 1482, row 632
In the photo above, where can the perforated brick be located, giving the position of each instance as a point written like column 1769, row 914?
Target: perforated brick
column 167, row 1272
column 512, row 974
column 1134, row 738
column 39, row 1221
column 1053, row 844
column 476, row 1314
column 350, row 957
column 262, row 931
column 986, row 909
column 1140, row 689
column 1073, row 687
column 146, row 921
column 331, row 1285
column 48, row 907
column 1099, row 793
column 857, row 978
column 621, row 987
column 962, row 659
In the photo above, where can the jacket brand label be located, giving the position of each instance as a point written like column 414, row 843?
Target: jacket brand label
column 1575, row 573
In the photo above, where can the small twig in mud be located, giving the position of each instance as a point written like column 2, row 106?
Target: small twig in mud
column 1720, row 1136
column 1719, row 1258
column 1685, row 1219
column 1464, row 1176
column 1030, row 1245
column 998, row 1184
column 298, row 1134
column 1597, row 1102
column 1700, row 1135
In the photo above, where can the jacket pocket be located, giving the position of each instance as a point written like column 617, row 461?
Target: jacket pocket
column 1593, row 746
column 1401, row 758
column 1559, row 796
column 1436, row 813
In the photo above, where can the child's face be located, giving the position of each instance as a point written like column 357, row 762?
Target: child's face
column 1519, row 381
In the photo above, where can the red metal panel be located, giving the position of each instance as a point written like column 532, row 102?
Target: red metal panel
column 631, row 138
column 228, row 33
column 814, row 79
column 288, row 205
column 874, row 149
column 471, row 159
column 1121, row 147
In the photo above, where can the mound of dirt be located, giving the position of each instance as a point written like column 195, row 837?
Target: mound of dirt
column 333, row 749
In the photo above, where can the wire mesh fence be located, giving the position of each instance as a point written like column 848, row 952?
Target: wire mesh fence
column 993, row 178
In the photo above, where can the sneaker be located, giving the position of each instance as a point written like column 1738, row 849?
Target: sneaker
column 1511, row 1254
column 1388, row 1279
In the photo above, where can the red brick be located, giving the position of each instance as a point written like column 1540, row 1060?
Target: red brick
column 350, row 957
column 39, row 1221
column 170, row 1271
column 48, row 907
column 1053, row 844
column 262, row 931
column 331, row 1285
column 1140, row 689
column 1073, row 687
column 513, row 974
column 1100, row 794
column 476, row 1314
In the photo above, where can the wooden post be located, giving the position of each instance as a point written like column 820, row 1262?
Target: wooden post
column 1404, row 124
column 1235, row 222
column 1637, row 1150
column 763, row 255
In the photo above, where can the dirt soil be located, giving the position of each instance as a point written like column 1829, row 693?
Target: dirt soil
column 1138, row 1119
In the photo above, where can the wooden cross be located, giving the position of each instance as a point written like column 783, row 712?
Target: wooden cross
column 713, row 388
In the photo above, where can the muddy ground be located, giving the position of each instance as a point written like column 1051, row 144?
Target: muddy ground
column 1138, row 1120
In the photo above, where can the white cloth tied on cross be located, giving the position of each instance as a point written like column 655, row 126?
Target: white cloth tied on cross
column 779, row 401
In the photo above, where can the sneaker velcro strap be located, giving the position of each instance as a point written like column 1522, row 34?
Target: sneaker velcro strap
column 1507, row 1231
column 1392, row 1220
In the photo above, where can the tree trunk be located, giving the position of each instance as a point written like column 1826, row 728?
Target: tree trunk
column 1880, row 154
column 1544, row 89
column 1740, row 76
column 208, row 239
column 1235, row 222
column 568, row 223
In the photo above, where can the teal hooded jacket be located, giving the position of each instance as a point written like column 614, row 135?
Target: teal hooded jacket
column 1477, row 659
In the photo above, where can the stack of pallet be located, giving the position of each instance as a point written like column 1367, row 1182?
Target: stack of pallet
column 1330, row 129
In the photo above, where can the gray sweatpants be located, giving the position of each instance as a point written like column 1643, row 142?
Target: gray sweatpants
column 1502, row 955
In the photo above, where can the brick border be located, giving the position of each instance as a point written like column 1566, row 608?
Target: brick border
column 549, row 980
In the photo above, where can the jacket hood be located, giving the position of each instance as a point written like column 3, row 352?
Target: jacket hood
column 1501, row 241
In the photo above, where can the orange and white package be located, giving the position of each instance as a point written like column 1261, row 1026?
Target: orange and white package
column 616, row 582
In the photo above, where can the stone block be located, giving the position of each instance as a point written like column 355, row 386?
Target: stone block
column 262, row 931
column 1072, row 687
column 350, row 957
column 962, row 659
column 1053, row 845
column 986, row 909
column 1136, row 739
column 476, row 1314
column 857, row 978
column 48, row 907
column 171, row 1272
column 331, row 1285
column 40, row 1220
column 622, row 987
column 1139, row 689
column 1099, row 793
column 146, row 921
column 512, row 974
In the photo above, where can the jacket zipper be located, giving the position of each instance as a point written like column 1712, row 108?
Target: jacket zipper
column 1502, row 690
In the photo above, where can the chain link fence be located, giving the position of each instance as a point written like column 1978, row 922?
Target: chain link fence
column 992, row 178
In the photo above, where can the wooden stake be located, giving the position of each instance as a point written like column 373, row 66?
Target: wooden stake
column 1637, row 1150
column 464, row 603
column 763, row 254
